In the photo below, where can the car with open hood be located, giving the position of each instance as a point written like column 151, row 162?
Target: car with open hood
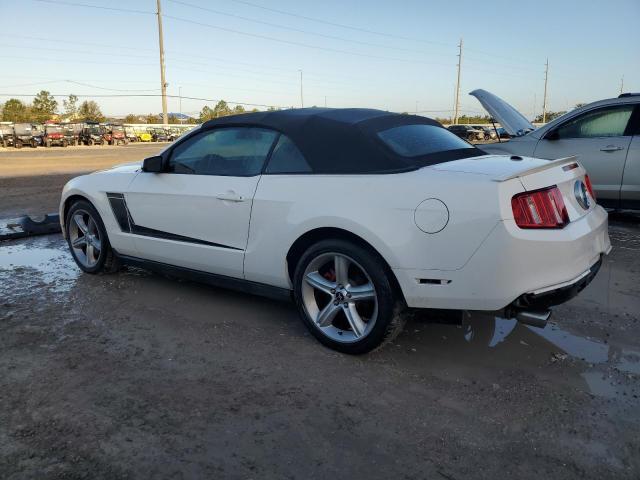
column 604, row 135
column 359, row 215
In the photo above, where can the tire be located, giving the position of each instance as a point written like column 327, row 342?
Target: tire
column 90, row 142
column 64, row 143
column 18, row 144
column 33, row 143
column 471, row 137
column 47, row 144
column 317, row 290
column 106, row 261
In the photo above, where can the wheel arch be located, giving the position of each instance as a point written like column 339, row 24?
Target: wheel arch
column 310, row 237
column 70, row 200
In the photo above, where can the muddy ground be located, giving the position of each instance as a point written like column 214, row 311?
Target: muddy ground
column 31, row 179
column 134, row 375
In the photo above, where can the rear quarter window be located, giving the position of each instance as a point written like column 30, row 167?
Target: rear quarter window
column 419, row 140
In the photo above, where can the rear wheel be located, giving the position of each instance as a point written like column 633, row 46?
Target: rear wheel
column 471, row 137
column 90, row 142
column 64, row 143
column 33, row 143
column 345, row 297
column 87, row 239
column 18, row 144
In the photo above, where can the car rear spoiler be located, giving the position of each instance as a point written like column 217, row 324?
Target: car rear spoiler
column 551, row 163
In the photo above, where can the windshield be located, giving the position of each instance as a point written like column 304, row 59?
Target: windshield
column 53, row 129
column 117, row 129
column 95, row 130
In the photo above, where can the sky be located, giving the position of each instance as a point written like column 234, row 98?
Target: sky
column 397, row 56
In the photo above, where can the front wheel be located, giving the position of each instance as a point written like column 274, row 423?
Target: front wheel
column 87, row 239
column 345, row 297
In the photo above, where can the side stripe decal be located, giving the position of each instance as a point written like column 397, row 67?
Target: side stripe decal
column 126, row 224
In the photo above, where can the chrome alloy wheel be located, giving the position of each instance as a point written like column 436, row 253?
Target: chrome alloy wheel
column 339, row 297
column 84, row 237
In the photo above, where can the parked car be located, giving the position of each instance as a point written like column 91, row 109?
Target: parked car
column 54, row 135
column 469, row 133
column 173, row 133
column 7, row 137
column 72, row 133
column 158, row 134
column 27, row 134
column 502, row 133
column 92, row 134
column 361, row 217
column 604, row 135
column 130, row 134
column 143, row 135
column 118, row 136
column 489, row 132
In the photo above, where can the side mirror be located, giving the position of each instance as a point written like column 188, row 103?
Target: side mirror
column 152, row 164
column 552, row 135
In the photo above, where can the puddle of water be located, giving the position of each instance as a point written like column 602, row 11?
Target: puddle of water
column 579, row 347
column 486, row 333
column 54, row 266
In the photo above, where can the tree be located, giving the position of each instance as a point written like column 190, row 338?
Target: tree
column 152, row 118
column 221, row 109
column 15, row 111
column 131, row 118
column 238, row 109
column 89, row 111
column 44, row 106
column 206, row 114
column 550, row 116
column 70, row 107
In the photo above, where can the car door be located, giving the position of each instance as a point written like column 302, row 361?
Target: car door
column 196, row 213
column 600, row 139
column 630, row 191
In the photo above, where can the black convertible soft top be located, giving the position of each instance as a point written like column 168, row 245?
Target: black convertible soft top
column 344, row 140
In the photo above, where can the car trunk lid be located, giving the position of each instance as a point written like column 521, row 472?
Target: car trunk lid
column 532, row 173
column 511, row 119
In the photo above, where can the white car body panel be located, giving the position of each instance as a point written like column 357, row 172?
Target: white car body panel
column 189, row 205
column 482, row 258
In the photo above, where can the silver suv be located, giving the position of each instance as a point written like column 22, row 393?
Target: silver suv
column 604, row 135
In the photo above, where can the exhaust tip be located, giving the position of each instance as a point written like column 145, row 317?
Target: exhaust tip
column 534, row 318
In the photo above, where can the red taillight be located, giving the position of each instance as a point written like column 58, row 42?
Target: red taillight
column 587, row 182
column 540, row 209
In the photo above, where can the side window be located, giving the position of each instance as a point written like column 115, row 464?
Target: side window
column 236, row 152
column 286, row 158
column 606, row 122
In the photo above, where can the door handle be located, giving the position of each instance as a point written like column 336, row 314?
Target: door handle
column 230, row 196
column 610, row 148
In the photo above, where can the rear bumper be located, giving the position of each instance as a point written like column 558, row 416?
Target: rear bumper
column 556, row 295
column 545, row 267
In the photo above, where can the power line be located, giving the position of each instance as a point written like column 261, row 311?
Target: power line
column 294, row 29
column 100, row 7
column 300, row 44
column 341, row 25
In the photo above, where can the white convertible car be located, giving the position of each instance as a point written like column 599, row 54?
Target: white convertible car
column 358, row 214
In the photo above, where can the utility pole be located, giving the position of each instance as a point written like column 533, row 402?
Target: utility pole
column 163, row 81
column 457, row 106
column 180, row 102
column 621, row 85
column 544, row 100
column 325, row 101
column 533, row 114
column 301, row 97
